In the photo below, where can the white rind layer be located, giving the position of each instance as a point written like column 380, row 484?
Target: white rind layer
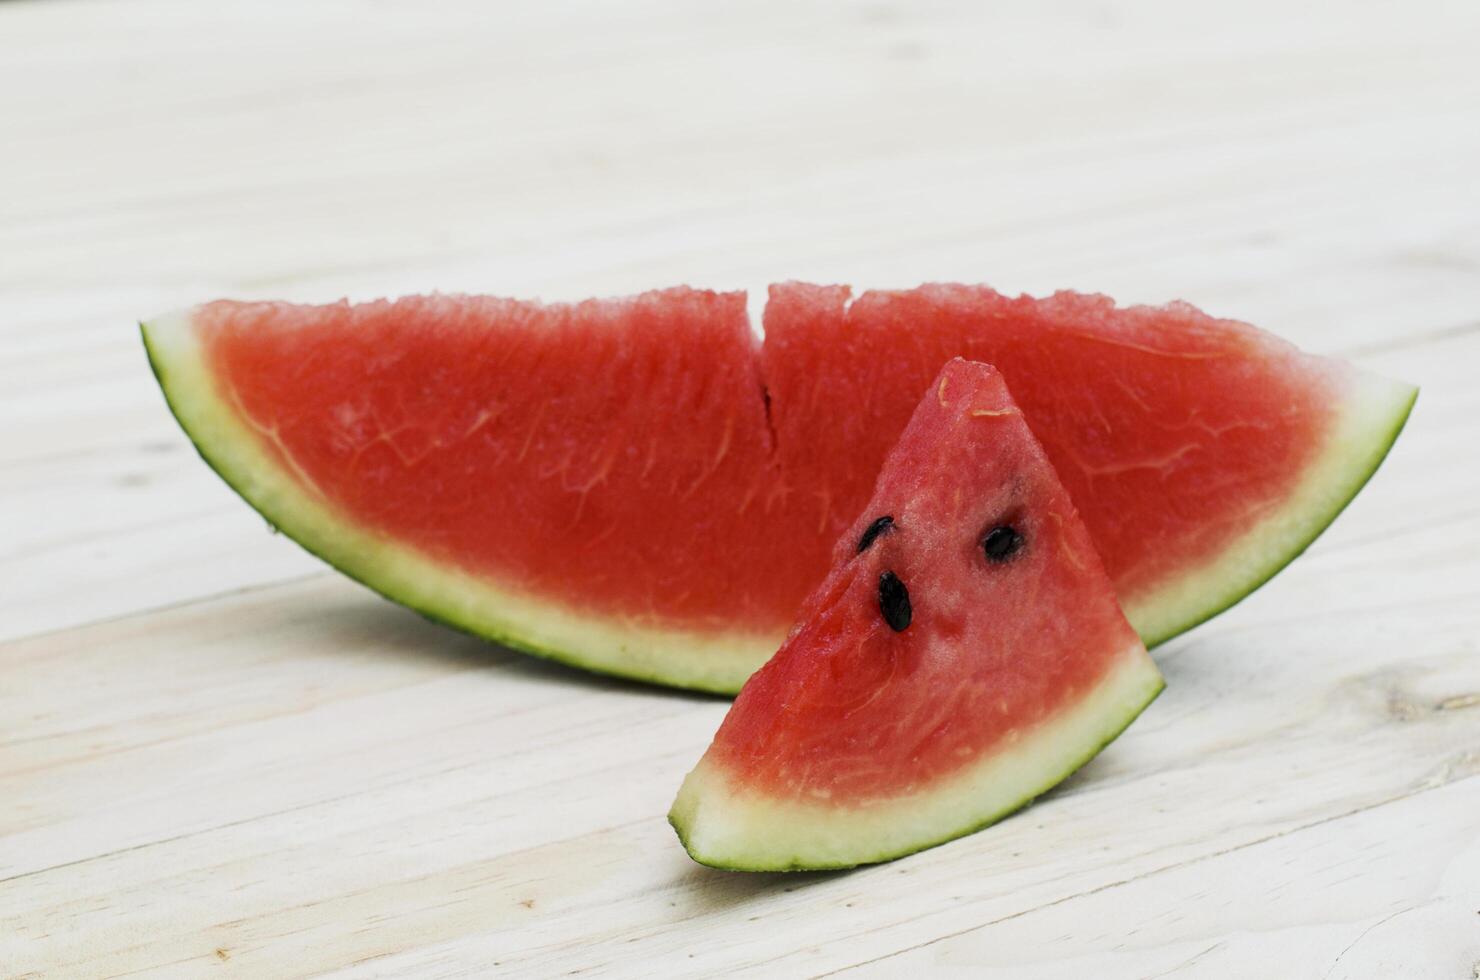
column 729, row 826
column 1370, row 416
column 708, row 661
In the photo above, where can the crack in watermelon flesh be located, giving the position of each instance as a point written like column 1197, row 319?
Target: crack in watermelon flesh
column 863, row 739
column 641, row 486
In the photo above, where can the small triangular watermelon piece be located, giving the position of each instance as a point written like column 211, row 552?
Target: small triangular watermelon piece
column 965, row 654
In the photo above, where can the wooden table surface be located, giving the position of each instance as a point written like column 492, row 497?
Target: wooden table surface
column 217, row 756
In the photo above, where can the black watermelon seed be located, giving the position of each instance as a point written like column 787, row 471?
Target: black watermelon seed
column 878, row 527
column 894, row 602
column 1001, row 543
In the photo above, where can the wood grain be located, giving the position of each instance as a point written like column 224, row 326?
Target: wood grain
column 216, row 756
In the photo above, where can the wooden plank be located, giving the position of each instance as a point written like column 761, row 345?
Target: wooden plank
column 78, row 391
column 173, row 532
column 304, row 778
column 1282, row 906
column 1220, row 189
column 282, row 774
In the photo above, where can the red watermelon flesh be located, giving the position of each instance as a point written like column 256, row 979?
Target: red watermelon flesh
column 612, row 453
column 965, row 653
column 639, row 486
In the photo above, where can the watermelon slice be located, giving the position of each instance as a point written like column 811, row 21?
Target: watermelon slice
column 638, row 486
column 965, row 654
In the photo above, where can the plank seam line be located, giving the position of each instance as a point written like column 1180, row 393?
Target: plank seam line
column 316, row 803
column 168, row 607
column 179, row 837
column 1153, row 872
column 113, row 531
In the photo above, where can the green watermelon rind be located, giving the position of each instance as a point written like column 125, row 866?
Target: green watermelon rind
column 760, row 833
column 716, row 664
column 1370, row 417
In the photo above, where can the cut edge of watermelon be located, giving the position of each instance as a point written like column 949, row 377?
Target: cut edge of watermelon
column 233, row 448
column 726, row 827
column 1371, row 417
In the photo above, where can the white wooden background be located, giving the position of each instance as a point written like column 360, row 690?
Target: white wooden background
column 216, row 756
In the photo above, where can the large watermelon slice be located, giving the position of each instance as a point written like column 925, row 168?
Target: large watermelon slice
column 638, row 486
column 965, row 654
